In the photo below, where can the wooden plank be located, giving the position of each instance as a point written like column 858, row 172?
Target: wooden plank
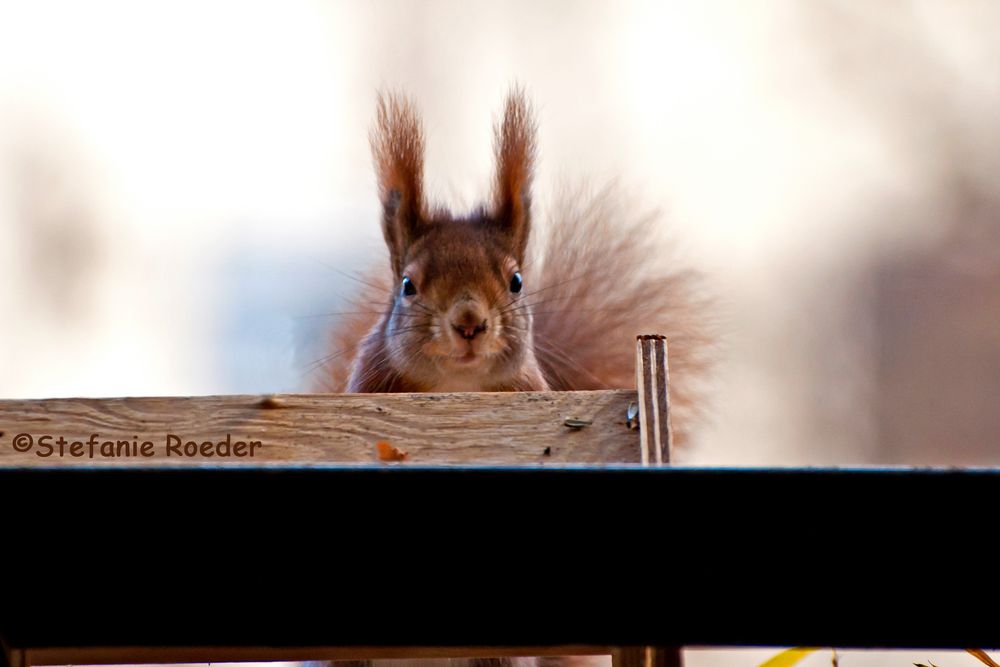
column 664, row 429
column 141, row 655
column 521, row 428
column 644, row 386
column 652, row 383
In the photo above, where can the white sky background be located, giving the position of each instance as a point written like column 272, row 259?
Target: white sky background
column 181, row 183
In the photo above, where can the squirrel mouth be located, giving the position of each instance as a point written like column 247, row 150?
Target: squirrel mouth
column 465, row 356
column 467, row 359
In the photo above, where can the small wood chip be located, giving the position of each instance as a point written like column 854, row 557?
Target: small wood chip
column 386, row 452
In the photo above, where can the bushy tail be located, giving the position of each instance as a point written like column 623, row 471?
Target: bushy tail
column 603, row 276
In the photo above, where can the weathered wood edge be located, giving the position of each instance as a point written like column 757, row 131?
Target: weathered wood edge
column 518, row 428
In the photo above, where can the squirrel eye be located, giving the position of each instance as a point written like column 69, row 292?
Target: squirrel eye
column 409, row 289
column 516, row 283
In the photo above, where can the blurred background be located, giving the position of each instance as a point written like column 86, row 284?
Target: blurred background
column 185, row 185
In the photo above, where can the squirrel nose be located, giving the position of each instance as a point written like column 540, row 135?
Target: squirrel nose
column 469, row 331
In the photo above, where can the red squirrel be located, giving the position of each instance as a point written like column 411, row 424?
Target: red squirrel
column 468, row 305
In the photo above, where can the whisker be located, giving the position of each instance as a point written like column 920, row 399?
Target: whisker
column 547, row 348
column 381, row 288
column 316, row 364
column 558, row 284
column 522, row 306
column 343, row 313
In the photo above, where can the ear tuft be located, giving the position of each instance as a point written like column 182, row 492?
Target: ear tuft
column 514, row 145
column 397, row 142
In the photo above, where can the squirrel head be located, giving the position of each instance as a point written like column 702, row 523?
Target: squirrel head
column 456, row 320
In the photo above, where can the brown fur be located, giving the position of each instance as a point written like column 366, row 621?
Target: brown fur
column 514, row 148
column 398, row 147
column 594, row 281
column 603, row 280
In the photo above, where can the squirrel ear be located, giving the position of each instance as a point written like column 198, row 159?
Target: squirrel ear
column 514, row 144
column 397, row 142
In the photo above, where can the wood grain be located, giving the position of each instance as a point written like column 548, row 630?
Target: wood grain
column 518, row 428
column 652, row 379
